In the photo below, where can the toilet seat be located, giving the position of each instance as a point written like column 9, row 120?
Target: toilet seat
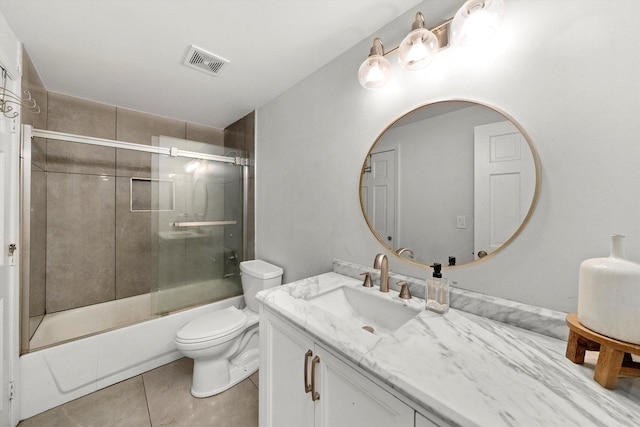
column 212, row 326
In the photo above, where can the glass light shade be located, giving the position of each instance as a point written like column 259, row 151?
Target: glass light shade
column 476, row 21
column 374, row 72
column 417, row 49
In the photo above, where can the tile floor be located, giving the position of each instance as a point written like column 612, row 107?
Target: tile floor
column 156, row 398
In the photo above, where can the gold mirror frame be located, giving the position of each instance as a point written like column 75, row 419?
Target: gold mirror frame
column 523, row 224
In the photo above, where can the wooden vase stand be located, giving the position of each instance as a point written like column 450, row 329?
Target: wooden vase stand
column 614, row 359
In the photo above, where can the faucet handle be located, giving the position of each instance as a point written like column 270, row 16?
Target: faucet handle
column 404, row 290
column 367, row 280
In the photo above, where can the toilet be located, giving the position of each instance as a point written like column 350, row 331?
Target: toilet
column 224, row 344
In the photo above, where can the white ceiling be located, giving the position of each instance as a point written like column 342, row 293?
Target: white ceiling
column 129, row 53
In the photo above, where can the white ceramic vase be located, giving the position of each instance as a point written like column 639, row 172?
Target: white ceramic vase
column 609, row 294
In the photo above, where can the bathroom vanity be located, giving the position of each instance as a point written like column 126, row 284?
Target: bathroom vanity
column 319, row 367
column 333, row 393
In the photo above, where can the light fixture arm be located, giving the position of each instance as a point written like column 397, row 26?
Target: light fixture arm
column 441, row 31
column 419, row 21
column 377, row 48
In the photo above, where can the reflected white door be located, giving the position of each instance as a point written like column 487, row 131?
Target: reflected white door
column 8, row 267
column 379, row 195
column 504, row 180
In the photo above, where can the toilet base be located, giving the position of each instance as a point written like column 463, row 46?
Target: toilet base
column 210, row 379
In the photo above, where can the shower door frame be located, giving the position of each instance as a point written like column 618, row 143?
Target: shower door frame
column 28, row 133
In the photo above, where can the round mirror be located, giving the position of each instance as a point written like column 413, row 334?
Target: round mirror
column 450, row 182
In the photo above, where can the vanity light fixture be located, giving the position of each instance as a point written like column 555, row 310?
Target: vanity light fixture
column 475, row 22
column 417, row 49
column 375, row 71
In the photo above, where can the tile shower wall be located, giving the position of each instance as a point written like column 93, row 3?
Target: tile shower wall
column 97, row 250
column 81, row 224
column 241, row 135
column 134, row 255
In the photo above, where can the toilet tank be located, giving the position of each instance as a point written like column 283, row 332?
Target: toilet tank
column 257, row 275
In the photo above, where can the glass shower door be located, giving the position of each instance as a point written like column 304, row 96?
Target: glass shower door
column 199, row 228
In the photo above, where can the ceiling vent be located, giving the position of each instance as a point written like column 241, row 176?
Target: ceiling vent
column 204, row 61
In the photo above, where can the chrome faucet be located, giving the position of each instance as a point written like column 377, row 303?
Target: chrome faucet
column 382, row 263
column 409, row 252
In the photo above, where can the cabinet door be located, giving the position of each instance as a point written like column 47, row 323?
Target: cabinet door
column 349, row 399
column 283, row 400
column 422, row 421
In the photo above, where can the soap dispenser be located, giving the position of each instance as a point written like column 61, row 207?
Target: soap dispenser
column 437, row 294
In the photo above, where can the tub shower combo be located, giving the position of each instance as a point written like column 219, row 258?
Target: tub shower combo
column 149, row 231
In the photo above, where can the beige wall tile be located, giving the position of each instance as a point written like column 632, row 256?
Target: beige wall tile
column 172, row 263
column 137, row 127
column 241, row 135
column 39, row 153
column 69, row 157
column 81, row 117
column 37, row 244
column 134, row 126
column 206, row 134
column 32, row 83
column 80, row 240
column 78, row 116
column 134, row 254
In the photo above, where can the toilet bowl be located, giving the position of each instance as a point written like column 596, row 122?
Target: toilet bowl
column 224, row 344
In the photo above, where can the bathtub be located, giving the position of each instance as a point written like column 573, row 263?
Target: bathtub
column 78, row 322
column 55, row 375
column 83, row 321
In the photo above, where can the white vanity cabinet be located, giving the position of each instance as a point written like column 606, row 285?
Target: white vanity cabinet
column 422, row 421
column 328, row 393
column 283, row 354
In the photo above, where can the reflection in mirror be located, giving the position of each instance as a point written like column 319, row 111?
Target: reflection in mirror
column 449, row 182
column 200, row 199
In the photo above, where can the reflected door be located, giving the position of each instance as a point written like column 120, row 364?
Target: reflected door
column 379, row 195
column 504, row 179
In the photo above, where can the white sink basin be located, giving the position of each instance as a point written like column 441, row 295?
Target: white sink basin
column 368, row 308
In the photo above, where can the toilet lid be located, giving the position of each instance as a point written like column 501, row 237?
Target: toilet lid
column 213, row 325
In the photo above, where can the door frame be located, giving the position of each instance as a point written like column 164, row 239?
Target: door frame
column 10, row 234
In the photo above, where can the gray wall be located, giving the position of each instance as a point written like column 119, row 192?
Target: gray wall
column 566, row 70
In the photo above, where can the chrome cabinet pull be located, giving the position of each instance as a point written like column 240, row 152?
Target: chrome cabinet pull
column 314, row 394
column 307, row 356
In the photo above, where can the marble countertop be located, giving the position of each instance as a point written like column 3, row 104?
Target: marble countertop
column 466, row 369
